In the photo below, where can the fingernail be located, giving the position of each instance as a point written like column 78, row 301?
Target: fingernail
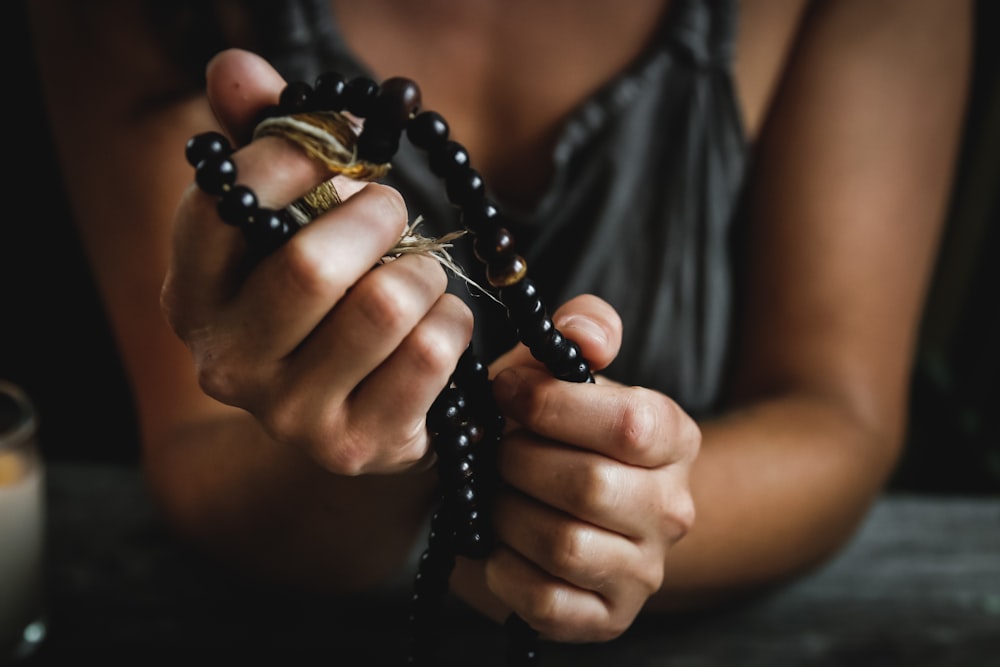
column 506, row 385
column 578, row 327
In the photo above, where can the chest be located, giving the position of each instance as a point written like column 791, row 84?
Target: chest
column 506, row 74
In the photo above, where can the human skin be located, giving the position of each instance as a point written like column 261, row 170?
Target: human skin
column 270, row 441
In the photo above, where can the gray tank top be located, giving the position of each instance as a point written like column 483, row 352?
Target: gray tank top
column 642, row 209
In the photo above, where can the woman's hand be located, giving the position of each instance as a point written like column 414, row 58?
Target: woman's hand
column 597, row 489
column 329, row 354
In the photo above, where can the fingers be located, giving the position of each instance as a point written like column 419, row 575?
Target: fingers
column 557, row 610
column 294, row 289
column 239, row 85
column 592, row 324
column 597, row 491
column 586, row 320
column 629, row 501
column 627, row 424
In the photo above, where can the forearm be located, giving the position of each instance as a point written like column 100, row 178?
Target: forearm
column 778, row 487
column 270, row 511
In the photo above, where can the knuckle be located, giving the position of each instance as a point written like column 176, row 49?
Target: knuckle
column 411, row 448
column 571, row 549
column 350, row 456
column 651, row 577
column 539, row 405
column 308, row 269
column 611, row 629
column 380, row 304
column 638, row 422
column 542, row 610
column 217, row 379
column 433, row 352
column 593, row 487
column 390, row 203
column 682, row 517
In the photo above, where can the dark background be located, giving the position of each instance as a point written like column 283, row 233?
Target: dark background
column 56, row 348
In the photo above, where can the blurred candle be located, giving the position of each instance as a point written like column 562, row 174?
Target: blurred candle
column 22, row 523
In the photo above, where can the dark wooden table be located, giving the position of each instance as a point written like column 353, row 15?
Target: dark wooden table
column 919, row 586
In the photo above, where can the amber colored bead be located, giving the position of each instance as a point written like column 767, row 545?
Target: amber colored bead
column 506, row 271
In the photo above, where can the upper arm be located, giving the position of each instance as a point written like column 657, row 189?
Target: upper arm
column 849, row 187
column 119, row 127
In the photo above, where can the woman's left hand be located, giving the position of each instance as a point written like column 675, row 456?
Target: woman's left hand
column 596, row 489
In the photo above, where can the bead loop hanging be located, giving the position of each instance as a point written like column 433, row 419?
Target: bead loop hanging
column 464, row 422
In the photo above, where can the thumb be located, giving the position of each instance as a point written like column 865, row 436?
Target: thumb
column 588, row 321
column 240, row 84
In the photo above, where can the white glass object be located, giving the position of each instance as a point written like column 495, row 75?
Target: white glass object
column 22, row 527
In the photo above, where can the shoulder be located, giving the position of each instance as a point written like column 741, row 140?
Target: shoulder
column 857, row 42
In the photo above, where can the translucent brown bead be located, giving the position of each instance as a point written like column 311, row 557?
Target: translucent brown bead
column 489, row 248
column 507, row 271
column 398, row 101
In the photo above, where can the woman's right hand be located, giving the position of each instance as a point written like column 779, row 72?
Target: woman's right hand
column 329, row 354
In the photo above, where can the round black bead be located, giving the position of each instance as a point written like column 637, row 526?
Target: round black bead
column 451, row 446
column 471, row 371
column 492, row 245
column 465, row 187
column 328, row 91
column 524, row 306
column 550, row 348
column 447, row 158
column 474, row 544
column 359, row 96
column 482, row 217
column 457, row 474
column 238, row 205
column 447, row 412
column 567, row 360
column 205, row 145
column 296, row 97
column 269, row 230
column 377, row 144
column 534, row 334
column 215, row 174
column 428, row 130
column 580, row 372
